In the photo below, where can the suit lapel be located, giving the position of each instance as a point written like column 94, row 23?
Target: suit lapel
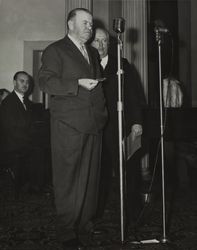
column 111, row 67
column 77, row 53
column 19, row 103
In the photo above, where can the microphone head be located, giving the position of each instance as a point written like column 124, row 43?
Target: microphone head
column 161, row 29
column 119, row 25
column 160, row 26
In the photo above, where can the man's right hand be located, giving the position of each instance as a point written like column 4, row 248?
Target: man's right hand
column 88, row 84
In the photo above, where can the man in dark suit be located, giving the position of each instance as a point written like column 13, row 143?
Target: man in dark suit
column 133, row 100
column 16, row 128
column 70, row 73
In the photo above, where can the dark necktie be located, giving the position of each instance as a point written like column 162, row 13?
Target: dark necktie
column 24, row 103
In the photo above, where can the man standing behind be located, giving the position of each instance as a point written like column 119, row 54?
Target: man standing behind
column 133, row 99
column 69, row 73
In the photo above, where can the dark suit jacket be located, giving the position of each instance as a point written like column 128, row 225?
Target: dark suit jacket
column 62, row 66
column 15, row 125
column 133, row 95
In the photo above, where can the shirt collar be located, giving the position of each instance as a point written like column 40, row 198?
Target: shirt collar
column 20, row 96
column 76, row 43
column 104, row 61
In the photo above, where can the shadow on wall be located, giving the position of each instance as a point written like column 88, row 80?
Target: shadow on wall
column 132, row 37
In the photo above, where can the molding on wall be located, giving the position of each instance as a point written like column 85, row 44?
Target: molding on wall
column 28, row 65
column 29, row 48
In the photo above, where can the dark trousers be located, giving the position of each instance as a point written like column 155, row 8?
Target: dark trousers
column 27, row 168
column 76, row 170
column 109, row 167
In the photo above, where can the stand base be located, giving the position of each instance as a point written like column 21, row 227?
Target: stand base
column 150, row 241
column 141, row 242
column 164, row 240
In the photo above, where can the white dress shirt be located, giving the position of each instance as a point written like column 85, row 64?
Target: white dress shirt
column 20, row 96
column 80, row 46
column 104, row 61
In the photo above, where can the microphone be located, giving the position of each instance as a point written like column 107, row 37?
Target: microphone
column 119, row 25
column 161, row 29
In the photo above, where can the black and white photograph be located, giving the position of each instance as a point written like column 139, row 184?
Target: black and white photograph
column 98, row 125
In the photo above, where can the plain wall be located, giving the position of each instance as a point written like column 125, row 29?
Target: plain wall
column 100, row 11
column 26, row 20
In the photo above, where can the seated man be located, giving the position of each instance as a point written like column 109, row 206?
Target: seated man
column 16, row 122
column 3, row 94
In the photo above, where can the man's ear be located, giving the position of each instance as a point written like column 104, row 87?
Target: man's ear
column 70, row 25
column 14, row 82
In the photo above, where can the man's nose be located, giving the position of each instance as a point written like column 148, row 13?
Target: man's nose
column 89, row 26
column 101, row 44
column 26, row 84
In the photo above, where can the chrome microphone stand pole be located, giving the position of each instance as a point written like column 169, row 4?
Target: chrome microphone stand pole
column 159, row 41
column 120, row 135
column 163, row 239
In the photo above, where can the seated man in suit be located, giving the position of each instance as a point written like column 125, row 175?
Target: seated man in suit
column 16, row 133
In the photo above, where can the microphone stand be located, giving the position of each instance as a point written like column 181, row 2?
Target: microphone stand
column 120, row 135
column 163, row 239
